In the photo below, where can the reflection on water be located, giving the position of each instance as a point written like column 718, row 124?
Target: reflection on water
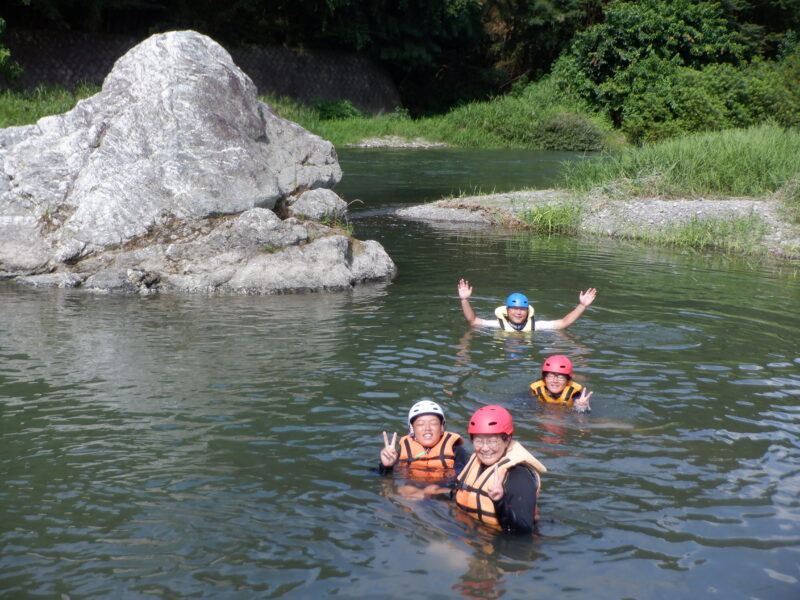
column 185, row 447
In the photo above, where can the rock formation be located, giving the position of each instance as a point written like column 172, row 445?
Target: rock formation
column 176, row 178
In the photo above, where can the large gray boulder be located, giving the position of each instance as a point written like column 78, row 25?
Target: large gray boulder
column 166, row 181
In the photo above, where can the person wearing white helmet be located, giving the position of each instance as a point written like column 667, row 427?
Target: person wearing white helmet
column 517, row 313
column 428, row 452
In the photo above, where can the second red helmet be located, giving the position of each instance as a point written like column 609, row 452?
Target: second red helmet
column 557, row 364
column 491, row 419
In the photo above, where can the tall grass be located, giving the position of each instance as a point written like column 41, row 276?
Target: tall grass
column 553, row 218
column 735, row 235
column 736, row 162
column 536, row 116
column 26, row 107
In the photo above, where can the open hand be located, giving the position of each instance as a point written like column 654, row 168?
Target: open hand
column 389, row 452
column 587, row 297
column 464, row 289
column 496, row 491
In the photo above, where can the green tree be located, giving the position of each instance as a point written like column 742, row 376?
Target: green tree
column 526, row 36
column 606, row 60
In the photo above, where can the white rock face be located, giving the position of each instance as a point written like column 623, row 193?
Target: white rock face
column 173, row 167
column 318, row 204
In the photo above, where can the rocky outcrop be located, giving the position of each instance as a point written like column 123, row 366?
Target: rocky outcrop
column 166, row 181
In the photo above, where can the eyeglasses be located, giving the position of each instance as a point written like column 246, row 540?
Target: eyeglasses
column 493, row 442
column 555, row 376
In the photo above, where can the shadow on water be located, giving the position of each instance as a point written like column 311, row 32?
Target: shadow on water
column 225, row 447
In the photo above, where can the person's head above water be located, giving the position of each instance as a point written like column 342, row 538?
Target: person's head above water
column 426, row 422
column 490, row 428
column 517, row 307
column 518, row 300
column 556, row 372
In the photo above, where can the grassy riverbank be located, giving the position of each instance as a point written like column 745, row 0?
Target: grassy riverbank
column 536, row 116
column 762, row 161
column 736, row 162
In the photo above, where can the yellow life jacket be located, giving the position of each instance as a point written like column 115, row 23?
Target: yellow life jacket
column 472, row 485
column 429, row 463
column 571, row 391
column 502, row 317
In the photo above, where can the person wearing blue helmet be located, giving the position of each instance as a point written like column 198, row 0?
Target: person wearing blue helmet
column 517, row 313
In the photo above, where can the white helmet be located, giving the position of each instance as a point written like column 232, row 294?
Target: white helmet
column 424, row 407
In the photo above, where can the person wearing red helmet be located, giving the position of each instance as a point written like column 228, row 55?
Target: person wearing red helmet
column 500, row 484
column 557, row 387
column 517, row 314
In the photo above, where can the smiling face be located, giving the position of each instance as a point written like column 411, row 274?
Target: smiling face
column 427, row 430
column 516, row 314
column 490, row 447
column 555, row 383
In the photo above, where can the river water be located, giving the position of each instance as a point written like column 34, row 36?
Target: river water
column 225, row 447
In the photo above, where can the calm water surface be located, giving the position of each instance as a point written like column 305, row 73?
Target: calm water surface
column 196, row 447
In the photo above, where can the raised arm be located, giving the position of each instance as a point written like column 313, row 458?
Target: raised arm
column 464, row 292
column 584, row 300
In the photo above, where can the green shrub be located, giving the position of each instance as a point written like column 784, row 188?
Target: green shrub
column 557, row 217
column 566, row 131
column 336, row 110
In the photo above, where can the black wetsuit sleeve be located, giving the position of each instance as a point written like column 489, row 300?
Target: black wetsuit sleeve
column 461, row 458
column 517, row 507
column 382, row 470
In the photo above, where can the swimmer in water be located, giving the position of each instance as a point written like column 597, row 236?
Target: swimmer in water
column 517, row 314
column 557, row 387
column 428, row 452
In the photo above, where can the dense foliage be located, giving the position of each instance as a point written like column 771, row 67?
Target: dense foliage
column 652, row 68
column 659, row 68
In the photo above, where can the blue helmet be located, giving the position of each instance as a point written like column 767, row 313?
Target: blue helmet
column 518, row 300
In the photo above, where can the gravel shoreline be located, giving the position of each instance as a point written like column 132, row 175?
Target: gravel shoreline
column 611, row 217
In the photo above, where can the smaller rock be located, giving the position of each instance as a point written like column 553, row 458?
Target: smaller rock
column 318, row 205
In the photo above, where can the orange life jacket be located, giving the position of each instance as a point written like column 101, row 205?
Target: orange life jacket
column 571, row 391
column 429, row 463
column 472, row 485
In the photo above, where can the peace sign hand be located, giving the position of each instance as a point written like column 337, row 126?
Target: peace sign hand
column 581, row 403
column 496, row 491
column 389, row 452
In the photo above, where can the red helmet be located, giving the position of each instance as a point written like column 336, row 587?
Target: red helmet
column 491, row 419
column 558, row 364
